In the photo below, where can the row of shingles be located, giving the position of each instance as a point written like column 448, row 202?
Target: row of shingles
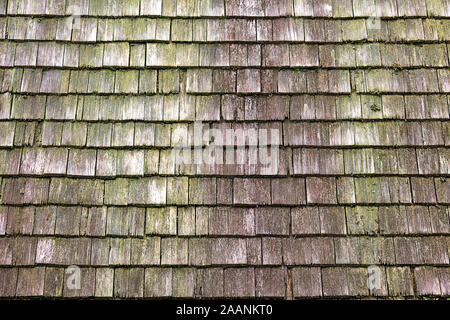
column 243, row 81
column 237, row 191
column 226, row 107
column 133, row 282
column 114, row 107
column 85, row 29
column 318, row 190
column 360, row 106
column 197, row 81
column 78, row 81
column 224, row 221
column 421, row 80
column 315, row 30
column 248, row 8
column 164, row 135
column 206, row 251
column 336, row 8
column 126, row 282
column 237, row 282
column 374, row 133
column 213, row 30
column 123, row 54
column 214, row 107
column 73, row 221
column 301, row 161
column 394, row 282
column 230, row 251
column 115, row 8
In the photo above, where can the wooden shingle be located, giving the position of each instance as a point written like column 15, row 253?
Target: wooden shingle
column 270, row 282
column 239, row 282
column 158, row 282
column 30, row 282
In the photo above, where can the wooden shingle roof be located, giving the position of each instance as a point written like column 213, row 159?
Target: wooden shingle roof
column 96, row 94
